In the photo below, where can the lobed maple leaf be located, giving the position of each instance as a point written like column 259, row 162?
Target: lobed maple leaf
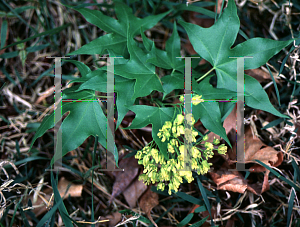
column 214, row 45
column 116, row 40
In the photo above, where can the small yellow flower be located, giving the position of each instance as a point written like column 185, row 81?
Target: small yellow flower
column 153, row 176
column 195, row 152
column 179, row 119
column 146, row 160
column 174, row 142
column 167, row 125
column 171, row 148
column 170, row 188
column 164, row 174
column 181, row 149
column 145, row 179
column 194, row 164
column 164, row 132
column 179, row 164
column 208, row 146
column 205, row 138
column 197, row 99
column 222, row 149
column 190, row 119
column 205, row 166
column 176, row 181
column 216, row 141
column 188, row 176
column 154, row 153
column 161, row 186
column 190, row 135
column 161, row 159
column 181, row 98
column 180, row 130
column 171, row 164
column 146, row 150
column 139, row 155
column 174, row 129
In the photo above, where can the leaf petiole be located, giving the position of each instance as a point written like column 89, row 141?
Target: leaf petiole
column 206, row 74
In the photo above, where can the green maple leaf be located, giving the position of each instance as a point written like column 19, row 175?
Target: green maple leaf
column 214, row 45
column 97, row 80
column 156, row 116
column 123, row 87
column 84, row 70
column 173, row 81
column 137, row 68
column 85, row 118
column 209, row 111
column 167, row 59
column 210, row 93
column 116, row 40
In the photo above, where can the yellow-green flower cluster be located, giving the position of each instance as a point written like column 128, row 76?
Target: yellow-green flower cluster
column 196, row 99
column 159, row 170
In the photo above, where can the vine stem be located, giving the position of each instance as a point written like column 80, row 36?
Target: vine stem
column 205, row 74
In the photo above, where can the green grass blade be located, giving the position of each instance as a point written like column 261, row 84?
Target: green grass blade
column 2, row 86
column 203, row 193
column 195, row 9
column 275, row 85
column 273, row 123
column 296, row 171
column 161, row 216
column 62, row 209
column 291, row 204
column 200, row 209
column 49, row 214
column 37, row 48
column 199, row 223
column 10, row 54
column 189, row 198
column 41, row 76
column 279, row 176
column 20, row 18
column 16, row 208
column 3, row 33
column 186, row 220
column 8, row 76
column 49, row 32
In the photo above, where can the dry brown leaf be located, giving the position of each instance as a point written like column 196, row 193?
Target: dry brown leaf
column 255, row 149
column 114, row 219
column 229, row 180
column 134, row 191
column 148, row 201
column 235, row 182
column 124, row 178
column 73, row 191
